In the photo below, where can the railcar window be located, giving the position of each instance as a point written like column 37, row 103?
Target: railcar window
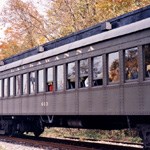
column 97, row 71
column 83, row 76
column 49, row 79
column 0, row 88
column 113, row 67
column 71, row 75
column 24, row 84
column 60, row 77
column 32, row 82
column 40, row 80
column 5, row 87
column 11, row 86
column 147, row 60
column 131, row 64
column 18, row 85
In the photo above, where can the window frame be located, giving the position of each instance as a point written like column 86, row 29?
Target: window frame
column 22, row 93
column 86, row 77
column 48, row 88
column 144, row 64
column 108, row 80
column 124, row 65
column 92, row 68
column 5, row 96
column 63, row 78
column 13, row 86
column 18, row 85
column 67, row 86
column 38, row 85
column 34, row 90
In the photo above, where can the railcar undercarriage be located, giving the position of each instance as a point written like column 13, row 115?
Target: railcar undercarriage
column 12, row 125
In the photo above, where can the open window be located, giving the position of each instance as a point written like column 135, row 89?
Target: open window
column 18, row 85
column 71, row 75
column 6, row 87
column 97, row 71
column 83, row 73
column 60, row 78
column 131, row 64
column 11, row 86
column 24, row 84
column 40, row 80
column 146, row 49
column 49, row 79
column 32, row 82
column 113, row 67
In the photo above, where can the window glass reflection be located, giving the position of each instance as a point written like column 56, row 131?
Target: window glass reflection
column 97, row 71
column 49, row 79
column 32, row 82
column 147, row 60
column 83, row 74
column 25, row 81
column 113, row 67
column 60, row 78
column 40, row 80
column 18, row 85
column 5, row 87
column 71, row 75
column 131, row 64
column 11, row 89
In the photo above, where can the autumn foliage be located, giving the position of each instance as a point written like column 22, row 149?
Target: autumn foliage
column 26, row 27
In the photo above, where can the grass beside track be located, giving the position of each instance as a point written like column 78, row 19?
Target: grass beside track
column 121, row 135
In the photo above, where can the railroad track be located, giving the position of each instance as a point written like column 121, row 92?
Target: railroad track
column 67, row 144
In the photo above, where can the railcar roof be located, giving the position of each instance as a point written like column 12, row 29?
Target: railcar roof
column 122, row 20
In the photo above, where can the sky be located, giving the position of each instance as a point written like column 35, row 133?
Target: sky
column 2, row 3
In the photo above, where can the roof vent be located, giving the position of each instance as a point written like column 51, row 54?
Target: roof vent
column 106, row 26
column 40, row 49
column 1, row 63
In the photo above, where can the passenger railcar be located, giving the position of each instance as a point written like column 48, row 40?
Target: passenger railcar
column 96, row 78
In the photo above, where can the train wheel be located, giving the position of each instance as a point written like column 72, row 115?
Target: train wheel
column 38, row 128
column 37, row 133
column 144, row 133
column 10, row 131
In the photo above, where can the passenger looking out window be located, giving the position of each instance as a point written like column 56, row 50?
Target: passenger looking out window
column 131, row 64
column 113, row 67
column 49, row 79
column 148, row 71
column 50, row 86
column 32, row 82
column 146, row 49
column 97, row 71
column 83, row 74
column 71, row 75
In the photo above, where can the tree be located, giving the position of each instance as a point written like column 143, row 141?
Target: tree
column 25, row 26
column 67, row 16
